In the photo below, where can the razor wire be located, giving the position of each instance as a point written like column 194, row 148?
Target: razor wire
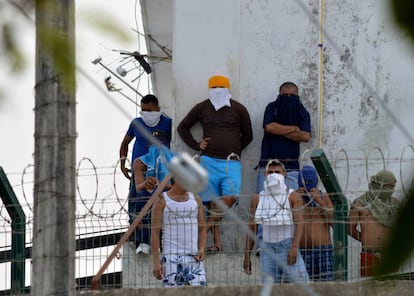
column 374, row 157
column 95, row 216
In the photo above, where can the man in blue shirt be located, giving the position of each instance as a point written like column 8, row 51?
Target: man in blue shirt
column 154, row 121
column 159, row 126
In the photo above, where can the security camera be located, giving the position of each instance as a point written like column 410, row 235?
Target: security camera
column 188, row 172
column 121, row 71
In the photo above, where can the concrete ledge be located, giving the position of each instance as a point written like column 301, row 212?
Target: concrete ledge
column 378, row 288
column 222, row 269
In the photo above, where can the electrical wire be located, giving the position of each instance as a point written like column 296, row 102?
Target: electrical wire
column 321, row 19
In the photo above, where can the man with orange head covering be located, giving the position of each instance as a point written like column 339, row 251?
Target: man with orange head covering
column 227, row 130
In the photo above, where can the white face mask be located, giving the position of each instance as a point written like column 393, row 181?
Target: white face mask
column 274, row 184
column 220, row 97
column 150, row 118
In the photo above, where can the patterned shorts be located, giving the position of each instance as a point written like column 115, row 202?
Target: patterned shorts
column 319, row 263
column 183, row 270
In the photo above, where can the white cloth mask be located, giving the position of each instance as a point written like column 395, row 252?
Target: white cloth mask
column 220, row 97
column 273, row 207
column 275, row 184
column 150, row 118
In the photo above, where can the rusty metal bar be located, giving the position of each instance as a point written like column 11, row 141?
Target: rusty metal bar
column 131, row 229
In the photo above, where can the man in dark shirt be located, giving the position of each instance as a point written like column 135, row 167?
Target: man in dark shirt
column 227, row 130
column 286, row 124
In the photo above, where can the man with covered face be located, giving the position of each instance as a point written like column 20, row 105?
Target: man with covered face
column 158, row 125
column 286, row 124
column 226, row 131
column 280, row 212
column 316, row 245
column 374, row 212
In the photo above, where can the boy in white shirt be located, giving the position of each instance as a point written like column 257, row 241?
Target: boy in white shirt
column 180, row 216
column 281, row 215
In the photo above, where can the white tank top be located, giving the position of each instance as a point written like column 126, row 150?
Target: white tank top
column 277, row 233
column 180, row 226
column 276, row 216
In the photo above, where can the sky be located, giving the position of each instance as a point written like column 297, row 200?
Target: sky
column 102, row 117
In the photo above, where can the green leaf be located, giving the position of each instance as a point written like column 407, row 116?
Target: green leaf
column 403, row 15
column 400, row 243
column 60, row 47
column 11, row 49
column 104, row 23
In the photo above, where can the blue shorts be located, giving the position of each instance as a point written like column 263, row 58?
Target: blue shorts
column 156, row 166
column 224, row 177
column 319, row 263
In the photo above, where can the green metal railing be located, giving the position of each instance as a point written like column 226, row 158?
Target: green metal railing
column 18, row 233
column 340, row 224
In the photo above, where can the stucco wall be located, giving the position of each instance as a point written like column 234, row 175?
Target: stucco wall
column 366, row 70
column 367, row 66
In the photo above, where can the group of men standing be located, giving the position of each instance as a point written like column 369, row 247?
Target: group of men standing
column 293, row 215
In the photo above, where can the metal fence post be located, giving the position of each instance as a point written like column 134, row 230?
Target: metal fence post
column 18, row 233
column 340, row 223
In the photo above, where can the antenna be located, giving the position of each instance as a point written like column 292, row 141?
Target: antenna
column 140, row 58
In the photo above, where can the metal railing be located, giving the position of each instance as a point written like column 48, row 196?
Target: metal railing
column 98, row 233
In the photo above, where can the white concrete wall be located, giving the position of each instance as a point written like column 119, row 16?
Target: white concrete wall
column 260, row 44
column 157, row 21
column 367, row 64
column 372, row 65
column 366, row 71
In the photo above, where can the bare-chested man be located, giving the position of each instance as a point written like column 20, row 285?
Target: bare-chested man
column 316, row 245
column 374, row 213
